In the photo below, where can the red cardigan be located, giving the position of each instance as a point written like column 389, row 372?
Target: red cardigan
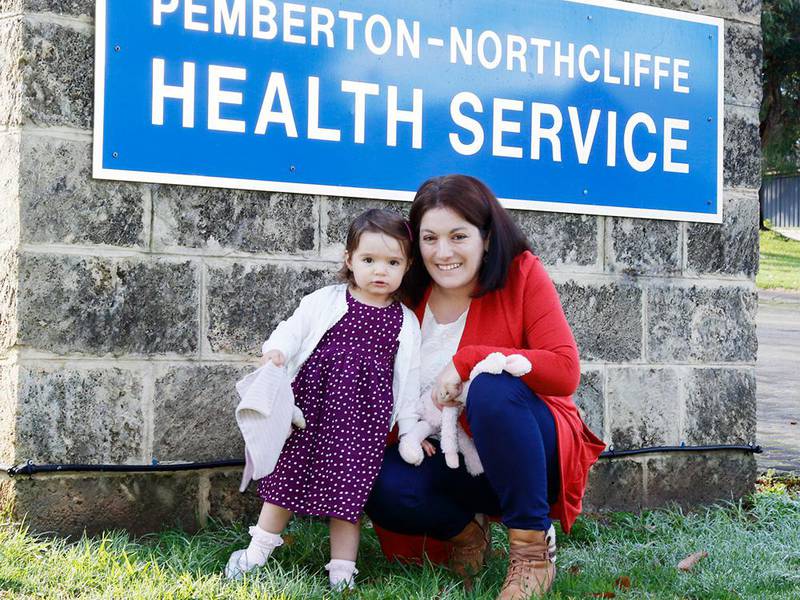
column 524, row 317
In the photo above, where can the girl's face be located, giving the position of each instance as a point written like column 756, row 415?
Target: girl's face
column 378, row 265
column 452, row 249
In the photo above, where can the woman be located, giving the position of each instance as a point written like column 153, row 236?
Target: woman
column 478, row 289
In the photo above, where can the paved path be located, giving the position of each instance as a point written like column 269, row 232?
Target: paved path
column 790, row 232
column 778, row 380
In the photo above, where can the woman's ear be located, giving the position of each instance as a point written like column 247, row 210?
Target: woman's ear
column 347, row 262
column 486, row 243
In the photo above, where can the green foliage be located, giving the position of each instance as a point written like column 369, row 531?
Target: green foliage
column 778, row 483
column 779, row 265
column 753, row 552
column 780, row 107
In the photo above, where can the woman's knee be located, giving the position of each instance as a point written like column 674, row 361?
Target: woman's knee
column 490, row 395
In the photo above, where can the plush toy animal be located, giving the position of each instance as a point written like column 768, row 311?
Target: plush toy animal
column 453, row 437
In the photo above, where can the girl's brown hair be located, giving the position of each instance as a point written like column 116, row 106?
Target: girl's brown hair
column 376, row 220
column 475, row 202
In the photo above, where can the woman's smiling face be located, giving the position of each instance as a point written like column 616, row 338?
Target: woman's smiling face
column 452, row 249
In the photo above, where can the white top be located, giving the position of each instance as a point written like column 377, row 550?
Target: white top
column 298, row 335
column 439, row 345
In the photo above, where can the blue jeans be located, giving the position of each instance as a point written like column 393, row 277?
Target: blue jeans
column 515, row 435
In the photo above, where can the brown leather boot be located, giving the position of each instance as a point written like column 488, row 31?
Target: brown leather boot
column 531, row 564
column 470, row 548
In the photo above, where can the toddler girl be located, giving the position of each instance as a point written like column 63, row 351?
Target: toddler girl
column 352, row 351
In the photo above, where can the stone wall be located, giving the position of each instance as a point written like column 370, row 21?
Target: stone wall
column 127, row 310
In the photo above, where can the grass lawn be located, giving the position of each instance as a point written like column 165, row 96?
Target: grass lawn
column 780, row 262
column 753, row 552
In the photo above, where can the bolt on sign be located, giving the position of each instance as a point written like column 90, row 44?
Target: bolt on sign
column 585, row 106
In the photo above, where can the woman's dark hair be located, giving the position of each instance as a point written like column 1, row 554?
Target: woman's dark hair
column 470, row 198
column 376, row 220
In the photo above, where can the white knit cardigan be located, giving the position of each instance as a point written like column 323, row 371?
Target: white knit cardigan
column 298, row 336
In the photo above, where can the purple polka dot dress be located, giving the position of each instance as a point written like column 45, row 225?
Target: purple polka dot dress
column 345, row 392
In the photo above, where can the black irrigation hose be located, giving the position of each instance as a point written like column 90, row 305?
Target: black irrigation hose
column 611, row 453
column 29, row 468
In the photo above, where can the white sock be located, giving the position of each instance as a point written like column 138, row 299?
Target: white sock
column 261, row 546
column 262, row 543
column 342, row 574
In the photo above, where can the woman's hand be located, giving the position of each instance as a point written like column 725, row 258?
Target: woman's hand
column 447, row 387
column 275, row 356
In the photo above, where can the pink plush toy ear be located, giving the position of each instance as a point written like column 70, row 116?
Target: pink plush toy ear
column 518, row 365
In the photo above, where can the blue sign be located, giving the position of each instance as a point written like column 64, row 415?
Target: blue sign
column 587, row 106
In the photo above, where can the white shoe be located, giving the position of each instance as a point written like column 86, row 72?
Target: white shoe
column 255, row 555
column 236, row 567
column 342, row 574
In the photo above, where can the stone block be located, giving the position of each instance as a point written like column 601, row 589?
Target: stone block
column 589, row 399
column 11, row 85
column 193, row 413
column 9, row 235
column 6, row 492
column 139, row 503
column 560, row 239
column 61, row 203
column 49, row 74
column 690, row 479
column 9, row 289
column 642, row 246
column 605, row 318
column 9, row 376
column 83, row 9
column 246, row 301
column 721, row 406
column 9, row 188
column 741, row 148
column 644, row 405
column 67, row 415
column 615, row 485
column 743, row 56
column 94, row 305
column 701, row 324
column 742, row 10
column 217, row 220
column 227, row 504
column 730, row 247
column 336, row 215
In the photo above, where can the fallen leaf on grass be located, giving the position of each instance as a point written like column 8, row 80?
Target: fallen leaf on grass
column 623, row 583
column 288, row 540
column 690, row 561
column 574, row 570
column 604, row 595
